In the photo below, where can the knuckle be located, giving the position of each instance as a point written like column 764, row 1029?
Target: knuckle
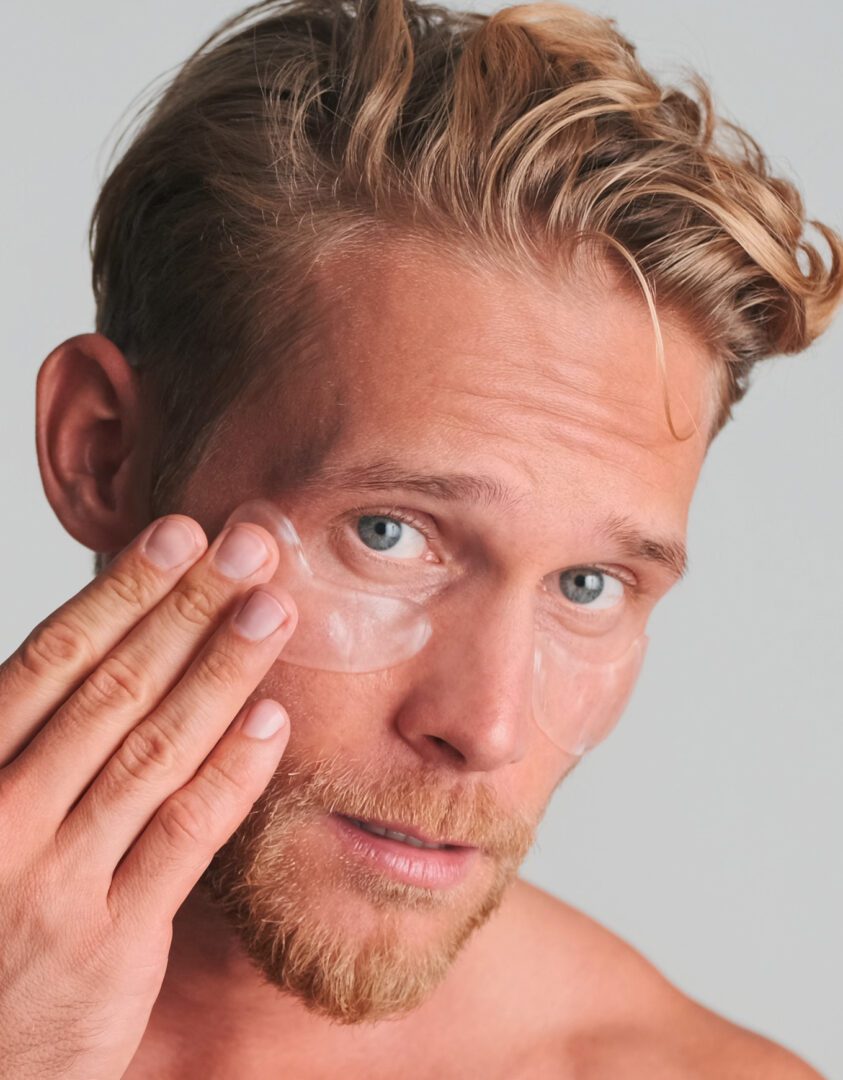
column 218, row 782
column 183, row 820
column 115, row 683
column 220, row 668
column 55, row 644
column 128, row 587
column 193, row 605
column 147, row 752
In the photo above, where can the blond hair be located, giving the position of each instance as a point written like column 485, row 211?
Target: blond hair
column 301, row 127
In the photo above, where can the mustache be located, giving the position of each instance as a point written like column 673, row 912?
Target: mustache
column 468, row 811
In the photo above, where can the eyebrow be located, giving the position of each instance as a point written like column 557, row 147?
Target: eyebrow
column 487, row 492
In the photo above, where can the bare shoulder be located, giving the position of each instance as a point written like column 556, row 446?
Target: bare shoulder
column 612, row 1015
column 680, row 1039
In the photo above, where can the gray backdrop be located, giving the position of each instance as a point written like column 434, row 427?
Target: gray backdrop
column 707, row 830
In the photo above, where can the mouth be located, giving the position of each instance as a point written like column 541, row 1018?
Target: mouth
column 398, row 831
column 405, row 854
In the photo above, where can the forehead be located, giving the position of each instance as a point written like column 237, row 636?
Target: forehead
column 545, row 374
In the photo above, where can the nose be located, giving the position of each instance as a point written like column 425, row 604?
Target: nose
column 471, row 696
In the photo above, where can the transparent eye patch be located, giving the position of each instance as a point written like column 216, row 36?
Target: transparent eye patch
column 581, row 684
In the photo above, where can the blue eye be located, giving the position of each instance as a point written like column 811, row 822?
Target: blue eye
column 382, row 533
column 401, row 537
column 586, row 584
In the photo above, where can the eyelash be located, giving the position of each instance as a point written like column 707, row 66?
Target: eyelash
column 409, row 518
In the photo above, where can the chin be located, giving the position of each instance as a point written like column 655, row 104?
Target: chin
column 351, row 941
column 361, row 928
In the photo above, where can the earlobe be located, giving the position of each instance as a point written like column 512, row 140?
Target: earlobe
column 87, row 425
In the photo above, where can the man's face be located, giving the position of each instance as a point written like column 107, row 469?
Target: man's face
column 553, row 393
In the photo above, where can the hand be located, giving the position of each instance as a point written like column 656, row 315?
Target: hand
column 121, row 773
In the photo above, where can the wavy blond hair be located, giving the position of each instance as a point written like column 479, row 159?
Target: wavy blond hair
column 302, row 127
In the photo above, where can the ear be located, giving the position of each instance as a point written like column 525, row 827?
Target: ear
column 93, row 463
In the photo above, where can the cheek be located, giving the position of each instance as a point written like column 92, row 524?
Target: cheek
column 539, row 779
column 334, row 708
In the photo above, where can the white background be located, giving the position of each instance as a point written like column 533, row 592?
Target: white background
column 707, row 831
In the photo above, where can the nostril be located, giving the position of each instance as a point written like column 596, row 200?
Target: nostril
column 449, row 747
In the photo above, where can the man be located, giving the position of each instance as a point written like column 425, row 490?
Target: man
column 466, row 300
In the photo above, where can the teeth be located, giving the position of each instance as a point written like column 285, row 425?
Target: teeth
column 378, row 831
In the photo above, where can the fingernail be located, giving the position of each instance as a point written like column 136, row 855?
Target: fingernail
column 260, row 616
column 170, row 543
column 241, row 553
column 264, row 719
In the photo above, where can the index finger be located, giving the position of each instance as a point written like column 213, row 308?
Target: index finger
column 62, row 650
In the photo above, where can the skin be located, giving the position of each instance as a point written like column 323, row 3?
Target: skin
column 553, row 390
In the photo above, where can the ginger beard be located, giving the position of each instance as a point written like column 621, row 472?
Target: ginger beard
column 349, row 942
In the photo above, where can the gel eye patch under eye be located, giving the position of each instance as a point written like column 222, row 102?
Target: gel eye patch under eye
column 340, row 628
column 580, row 685
column 577, row 703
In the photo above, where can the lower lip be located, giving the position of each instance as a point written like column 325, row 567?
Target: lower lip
column 428, row 867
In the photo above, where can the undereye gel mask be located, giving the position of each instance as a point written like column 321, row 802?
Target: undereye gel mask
column 581, row 680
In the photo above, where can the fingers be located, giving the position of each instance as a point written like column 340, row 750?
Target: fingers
column 163, row 752
column 65, row 647
column 194, row 822
column 68, row 752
